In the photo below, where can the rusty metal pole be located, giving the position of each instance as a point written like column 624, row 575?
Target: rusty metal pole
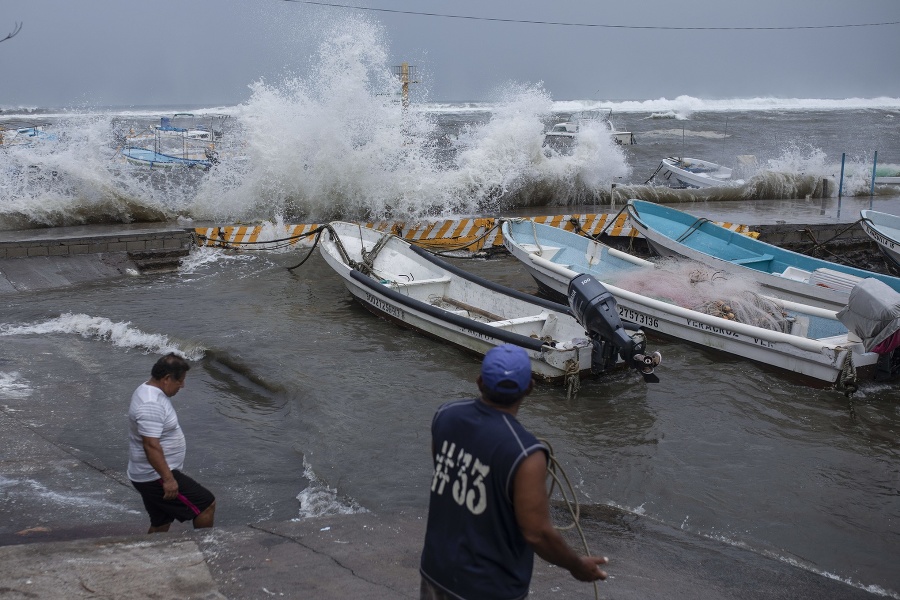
column 404, row 80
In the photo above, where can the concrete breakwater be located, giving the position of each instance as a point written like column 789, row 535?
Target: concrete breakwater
column 62, row 256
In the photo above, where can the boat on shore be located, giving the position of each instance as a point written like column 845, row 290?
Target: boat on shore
column 408, row 285
column 884, row 229
column 684, row 305
column 563, row 136
column 693, row 173
column 785, row 274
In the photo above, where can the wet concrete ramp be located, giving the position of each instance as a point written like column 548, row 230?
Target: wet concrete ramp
column 48, row 272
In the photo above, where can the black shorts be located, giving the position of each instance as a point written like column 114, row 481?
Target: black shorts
column 192, row 500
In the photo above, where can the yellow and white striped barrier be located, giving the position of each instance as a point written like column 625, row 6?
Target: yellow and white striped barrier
column 471, row 234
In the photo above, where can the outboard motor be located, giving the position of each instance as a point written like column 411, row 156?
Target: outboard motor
column 873, row 315
column 597, row 310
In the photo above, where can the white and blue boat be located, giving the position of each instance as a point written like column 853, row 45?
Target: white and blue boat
column 783, row 273
column 884, row 229
column 410, row 286
column 786, row 335
column 24, row 134
column 694, row 173
column 184, row 143
column 146, row 157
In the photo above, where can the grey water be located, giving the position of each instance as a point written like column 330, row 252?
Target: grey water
column 301, row 403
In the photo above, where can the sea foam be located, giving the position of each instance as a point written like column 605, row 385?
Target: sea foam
column 119, row 334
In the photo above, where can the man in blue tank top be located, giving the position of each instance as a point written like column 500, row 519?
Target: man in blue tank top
column 489, row 511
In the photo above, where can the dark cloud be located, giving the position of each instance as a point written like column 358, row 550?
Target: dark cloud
column 207, row 52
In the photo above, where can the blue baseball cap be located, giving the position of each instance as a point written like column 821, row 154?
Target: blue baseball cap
column 506, row 369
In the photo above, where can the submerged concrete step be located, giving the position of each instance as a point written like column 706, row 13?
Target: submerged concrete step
column 158, row 261
column 62, row 256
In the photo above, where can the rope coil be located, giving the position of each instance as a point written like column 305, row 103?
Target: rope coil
column 573, row 377
column 558, row 477
column 848, row 380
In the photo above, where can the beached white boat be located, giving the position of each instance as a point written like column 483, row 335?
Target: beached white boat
column 563, row 136
column 786, row 335
column 693, row 173
column 410, row 286
column 786, row 274
column 884, row 229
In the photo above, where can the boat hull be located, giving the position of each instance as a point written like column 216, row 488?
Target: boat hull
column 884, row 229
column 788, row 275
column 148, row 158
column 439, row 304
column 820, row 360
column 705, row 175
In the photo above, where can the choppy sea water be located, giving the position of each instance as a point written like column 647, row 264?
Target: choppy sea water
column 301, row 403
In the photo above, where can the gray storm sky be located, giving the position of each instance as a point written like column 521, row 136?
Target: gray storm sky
column 91, row 53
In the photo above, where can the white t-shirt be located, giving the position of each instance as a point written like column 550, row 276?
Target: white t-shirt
column 151, row 415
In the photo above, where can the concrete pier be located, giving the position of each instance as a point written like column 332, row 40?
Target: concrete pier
column 62, row 256
column 93, row 239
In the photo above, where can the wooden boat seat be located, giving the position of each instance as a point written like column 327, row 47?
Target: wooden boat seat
column 837, row 340
column 753, row 259
column 441, row 279
column 800, row 326
column 795, row 274
column 547, row 252
column 539, row 318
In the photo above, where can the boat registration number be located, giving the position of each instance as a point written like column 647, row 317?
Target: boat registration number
column 639, row 318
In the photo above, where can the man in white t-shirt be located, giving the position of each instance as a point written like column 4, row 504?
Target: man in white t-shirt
column 157, row 449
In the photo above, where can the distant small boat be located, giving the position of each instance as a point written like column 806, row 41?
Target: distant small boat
column 410, row 286
column 24, row 133
column 563, row 136
column 694, row 173
column 884, row 229
column 790, row 275
column 785, row 335
column 887, row 175
column 190, row 144
column 145, row 157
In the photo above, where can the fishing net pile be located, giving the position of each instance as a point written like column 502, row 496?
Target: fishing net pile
column 709, row 292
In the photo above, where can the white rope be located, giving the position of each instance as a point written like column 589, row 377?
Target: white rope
column 567, row 491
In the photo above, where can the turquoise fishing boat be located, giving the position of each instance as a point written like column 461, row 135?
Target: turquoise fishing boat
column 788, row 275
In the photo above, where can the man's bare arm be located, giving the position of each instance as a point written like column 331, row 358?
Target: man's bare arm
column 157, row 460
column 532, row 510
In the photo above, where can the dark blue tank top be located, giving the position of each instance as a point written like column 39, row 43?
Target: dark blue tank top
column 473, row 546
